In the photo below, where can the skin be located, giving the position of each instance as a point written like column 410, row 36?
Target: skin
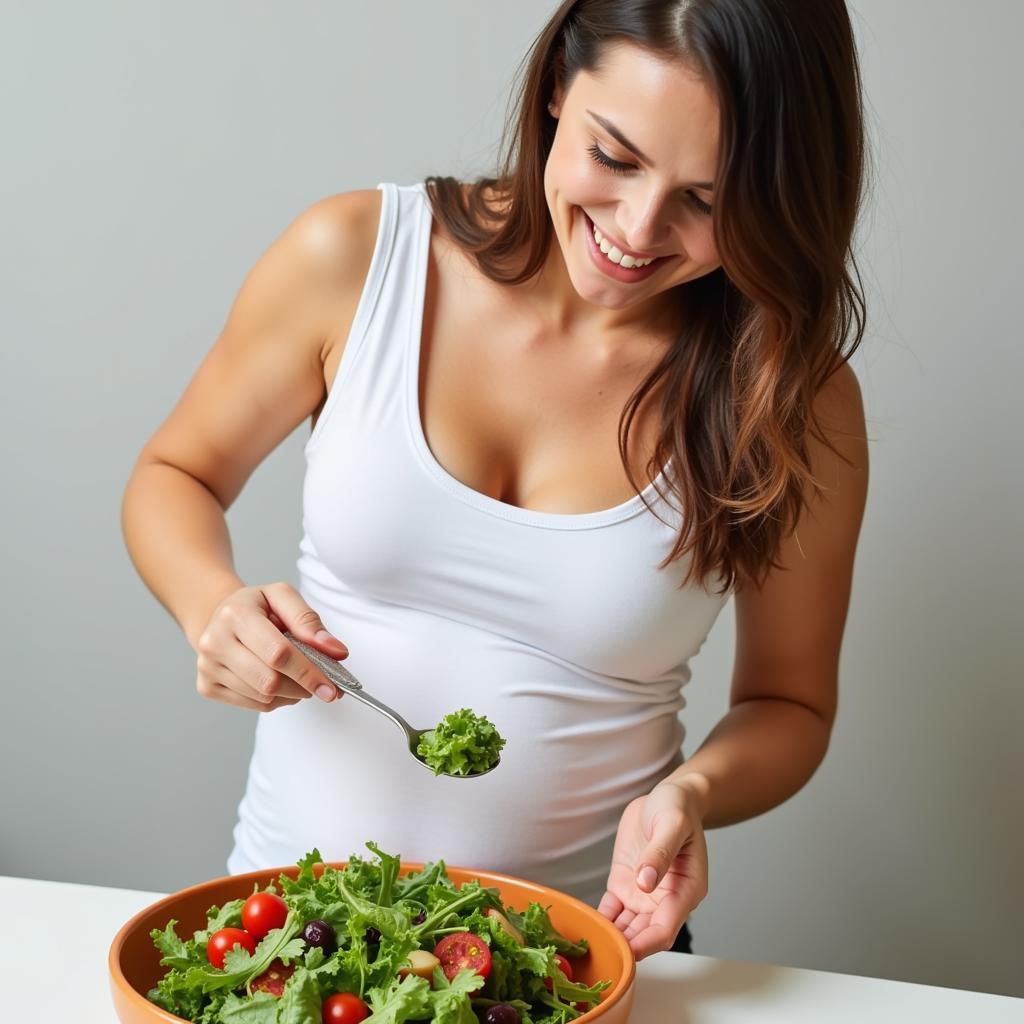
column 571, row 344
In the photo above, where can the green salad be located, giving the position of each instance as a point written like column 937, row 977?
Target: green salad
column 463, row 743
column 362, row 944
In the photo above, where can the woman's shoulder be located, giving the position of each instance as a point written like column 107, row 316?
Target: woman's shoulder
column 839, row 454
column 337, row 234
column 839, row 403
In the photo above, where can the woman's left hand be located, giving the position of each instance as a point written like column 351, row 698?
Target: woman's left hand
column 659, row 868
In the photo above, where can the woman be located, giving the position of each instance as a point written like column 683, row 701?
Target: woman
column 559, row 416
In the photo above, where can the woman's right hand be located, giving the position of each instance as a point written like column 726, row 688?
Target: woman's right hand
column 244, row 659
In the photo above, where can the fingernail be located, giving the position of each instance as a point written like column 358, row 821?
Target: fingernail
column 325, row 638
column 325, row 692
column 647, row 879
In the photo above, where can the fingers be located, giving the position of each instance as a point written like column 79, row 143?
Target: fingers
column 610, row 905
column 654, row 938
column 286, row 605
column 227, row 696
column 260, row 678
column 625, row 919
column 280, row 655
column 243, row 651
column 214, row 679
column 644, row 934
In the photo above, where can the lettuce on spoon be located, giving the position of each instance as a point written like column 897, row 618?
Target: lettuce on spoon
column 463, row 743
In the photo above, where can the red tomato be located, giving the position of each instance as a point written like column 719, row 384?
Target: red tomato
column 224, row 941
column 344, row 1008
column 463, row 949
column 565, row 967
column 273, row 978
column 262, row 912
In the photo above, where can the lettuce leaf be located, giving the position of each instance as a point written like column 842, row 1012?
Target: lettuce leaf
column 260, row 1008
column 463, row 743
column 538, row 930
column 450, row 1001
column 300, row 1003
column 406, row 1000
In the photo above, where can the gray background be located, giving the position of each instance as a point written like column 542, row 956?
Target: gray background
column 151, row 151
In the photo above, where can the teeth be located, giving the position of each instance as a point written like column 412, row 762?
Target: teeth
column 615, row 254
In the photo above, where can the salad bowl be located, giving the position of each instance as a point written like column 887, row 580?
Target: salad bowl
column 134, row 962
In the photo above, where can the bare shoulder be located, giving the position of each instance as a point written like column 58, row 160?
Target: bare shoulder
column 840, row 398
column 839, row 407
column 335, row 236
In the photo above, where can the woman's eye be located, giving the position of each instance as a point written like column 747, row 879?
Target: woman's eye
column 606, row 161
column 620, row 168
column 699, row 203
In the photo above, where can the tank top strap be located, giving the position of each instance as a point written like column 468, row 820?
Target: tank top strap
column 370, row 381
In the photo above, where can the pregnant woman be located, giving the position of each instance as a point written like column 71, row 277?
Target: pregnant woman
column 559, row 416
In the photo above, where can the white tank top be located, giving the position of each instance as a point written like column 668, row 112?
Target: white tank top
column 558, row 627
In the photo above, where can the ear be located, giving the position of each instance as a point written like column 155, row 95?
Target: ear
column 557, row 94
column 556, row 98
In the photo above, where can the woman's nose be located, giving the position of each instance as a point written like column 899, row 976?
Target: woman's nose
column 644, row 228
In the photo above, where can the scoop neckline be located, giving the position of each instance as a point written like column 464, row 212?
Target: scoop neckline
column 477, row 499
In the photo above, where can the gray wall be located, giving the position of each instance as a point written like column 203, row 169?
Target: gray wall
column 151, row 151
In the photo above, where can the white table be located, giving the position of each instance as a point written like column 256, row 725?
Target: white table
column 76, row 924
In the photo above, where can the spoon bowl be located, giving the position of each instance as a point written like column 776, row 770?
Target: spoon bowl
column 347, row 683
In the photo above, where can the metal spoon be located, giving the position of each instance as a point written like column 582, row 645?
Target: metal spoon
column 347, row 683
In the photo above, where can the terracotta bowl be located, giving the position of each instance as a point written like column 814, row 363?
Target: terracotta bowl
column 134, row 961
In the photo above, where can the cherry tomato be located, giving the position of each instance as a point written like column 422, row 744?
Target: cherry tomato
column 262, row 912
column 273, row 978
column 564, row 966
column 344, row 1008
column 463, row 949
column 224, row 941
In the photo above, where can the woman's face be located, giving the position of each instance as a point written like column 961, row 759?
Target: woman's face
column 650, row 203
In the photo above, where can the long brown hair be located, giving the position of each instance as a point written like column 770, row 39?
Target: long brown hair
column 759, row 336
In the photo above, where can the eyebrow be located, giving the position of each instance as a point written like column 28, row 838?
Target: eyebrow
column 635, row 150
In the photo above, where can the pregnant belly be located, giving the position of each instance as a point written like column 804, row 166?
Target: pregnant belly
column 577, row 751
column 335, row 776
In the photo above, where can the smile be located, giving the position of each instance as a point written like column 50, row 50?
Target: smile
column 611, row 260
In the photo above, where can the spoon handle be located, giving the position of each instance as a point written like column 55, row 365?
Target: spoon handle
column 334, row 670
column 347, row 683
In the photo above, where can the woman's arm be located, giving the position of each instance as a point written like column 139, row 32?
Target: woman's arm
column 177, row 537
column 783, row 699
column 263, row 376
column 789, row 634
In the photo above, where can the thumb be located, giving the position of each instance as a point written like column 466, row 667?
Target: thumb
column 302, row 621
column 329, row 643
column 657, row 858
column 649, row 875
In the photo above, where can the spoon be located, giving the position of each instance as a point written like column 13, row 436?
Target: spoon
column 347, row 683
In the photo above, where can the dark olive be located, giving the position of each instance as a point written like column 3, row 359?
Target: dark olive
column 320, row 933
column 502, row 1013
